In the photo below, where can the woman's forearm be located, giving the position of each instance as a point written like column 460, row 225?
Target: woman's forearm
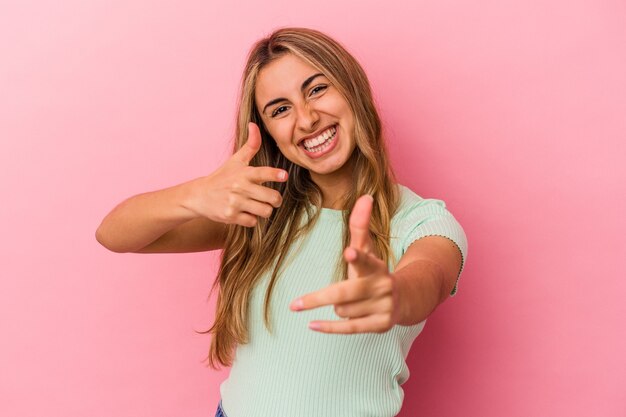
column 143, row 218
column 420, row 290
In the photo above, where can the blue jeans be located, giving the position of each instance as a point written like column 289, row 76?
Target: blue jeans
column 220, row 412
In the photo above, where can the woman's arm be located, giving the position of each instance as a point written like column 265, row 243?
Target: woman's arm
column 158, row 221
column 425, row 276
column 193, row 216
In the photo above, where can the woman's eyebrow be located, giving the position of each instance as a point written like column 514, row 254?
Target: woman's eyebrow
column 305, row 84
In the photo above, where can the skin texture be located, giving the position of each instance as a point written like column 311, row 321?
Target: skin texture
column 304, row 113
column 369, row 294
column 372, row 299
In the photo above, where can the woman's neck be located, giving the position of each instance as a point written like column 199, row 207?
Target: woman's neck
column 335, row 186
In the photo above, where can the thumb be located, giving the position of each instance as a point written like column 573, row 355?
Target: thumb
column 359, row 223
column 252, row 145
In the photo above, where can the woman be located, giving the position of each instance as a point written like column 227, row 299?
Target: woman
column 312, row 225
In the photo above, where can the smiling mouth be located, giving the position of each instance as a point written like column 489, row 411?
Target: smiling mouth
column 321, row 142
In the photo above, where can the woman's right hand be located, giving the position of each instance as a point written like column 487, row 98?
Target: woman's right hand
column 191, row 217
column 233, row 194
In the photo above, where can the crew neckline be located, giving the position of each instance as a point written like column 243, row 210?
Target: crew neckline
column 328, row 211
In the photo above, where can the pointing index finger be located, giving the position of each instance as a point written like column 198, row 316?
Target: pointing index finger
column 266, row 174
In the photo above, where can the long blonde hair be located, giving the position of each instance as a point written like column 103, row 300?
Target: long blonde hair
column 251, row 251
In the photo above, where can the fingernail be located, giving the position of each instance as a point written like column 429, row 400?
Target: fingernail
column 314, row 326
column 283, row 175
column 297, row 305
column 371, row 198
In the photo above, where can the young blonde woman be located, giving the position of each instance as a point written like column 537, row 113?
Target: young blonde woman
column 329, row 267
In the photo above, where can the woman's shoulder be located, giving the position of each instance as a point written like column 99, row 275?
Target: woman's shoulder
column 407, row 195
column 410, row 202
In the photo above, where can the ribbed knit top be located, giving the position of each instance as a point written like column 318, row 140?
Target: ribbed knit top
column 299, row 372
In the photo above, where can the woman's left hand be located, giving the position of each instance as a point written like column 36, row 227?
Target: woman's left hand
column 368, row 299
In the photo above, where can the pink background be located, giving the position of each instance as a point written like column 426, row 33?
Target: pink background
column 511, row 112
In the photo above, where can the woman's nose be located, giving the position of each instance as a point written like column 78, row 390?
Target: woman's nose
column 308, row 118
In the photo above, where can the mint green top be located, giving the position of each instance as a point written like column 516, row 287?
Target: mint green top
column 296, row 371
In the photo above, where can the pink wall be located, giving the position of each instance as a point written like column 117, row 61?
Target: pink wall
column 511, row 112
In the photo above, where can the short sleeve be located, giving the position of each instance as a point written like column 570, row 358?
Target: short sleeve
column 429, row 217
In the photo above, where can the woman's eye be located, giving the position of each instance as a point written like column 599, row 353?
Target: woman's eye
column 318, row 88
column 278, row 111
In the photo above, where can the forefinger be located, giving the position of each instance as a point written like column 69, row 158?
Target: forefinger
column 337, row 293
column 259, row 175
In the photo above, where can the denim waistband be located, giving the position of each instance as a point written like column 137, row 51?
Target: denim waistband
column 220, row 411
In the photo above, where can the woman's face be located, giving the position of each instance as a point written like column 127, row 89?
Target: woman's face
column 309, row 119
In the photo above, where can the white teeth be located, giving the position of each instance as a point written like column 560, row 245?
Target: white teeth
column 322, row 140
column 311, row 143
